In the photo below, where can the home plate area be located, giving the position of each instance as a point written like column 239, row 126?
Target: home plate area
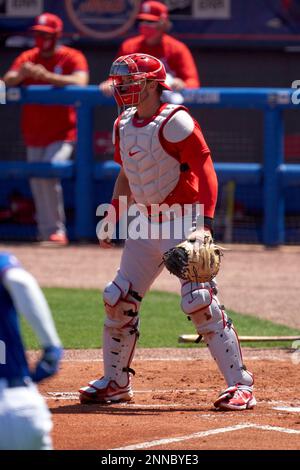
column 173, row 404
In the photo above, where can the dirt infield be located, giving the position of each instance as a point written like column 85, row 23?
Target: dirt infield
column 252, row 279
column 175, row 388
column 172, row 408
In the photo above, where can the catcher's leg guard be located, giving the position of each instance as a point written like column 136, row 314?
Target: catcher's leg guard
column 200, row 303
column 119, row 340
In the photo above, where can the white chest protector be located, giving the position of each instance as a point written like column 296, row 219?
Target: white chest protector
column 152, row 173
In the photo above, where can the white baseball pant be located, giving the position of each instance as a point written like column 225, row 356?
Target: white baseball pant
column 25, row 421
column 47, row 193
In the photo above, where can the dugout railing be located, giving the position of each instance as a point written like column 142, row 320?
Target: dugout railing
column 273, row 174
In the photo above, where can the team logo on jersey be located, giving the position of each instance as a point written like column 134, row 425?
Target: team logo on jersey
column 131, row 154
column 42, row 19
column 102, row 19
column 58, row 70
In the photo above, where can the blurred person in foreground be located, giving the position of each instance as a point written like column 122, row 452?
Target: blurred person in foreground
column 25, row 421
column 49, row 132
column 153, row 39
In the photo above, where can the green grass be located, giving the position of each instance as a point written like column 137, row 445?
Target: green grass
column 79, row 315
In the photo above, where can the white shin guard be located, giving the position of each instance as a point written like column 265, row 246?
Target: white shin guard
column 120, row 330
column 118, row 351
column 200, row 303
column 224, row 347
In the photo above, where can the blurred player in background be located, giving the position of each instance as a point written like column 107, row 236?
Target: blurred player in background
column 25, row 421
column 164, row 161
column 49, row 131
column 153, row 39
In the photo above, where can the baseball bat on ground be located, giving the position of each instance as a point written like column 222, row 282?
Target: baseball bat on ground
column 195, row 338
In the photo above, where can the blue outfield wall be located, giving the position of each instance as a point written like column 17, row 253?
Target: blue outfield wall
column 273, row 177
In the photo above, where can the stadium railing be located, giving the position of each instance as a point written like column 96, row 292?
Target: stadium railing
column 274, row 175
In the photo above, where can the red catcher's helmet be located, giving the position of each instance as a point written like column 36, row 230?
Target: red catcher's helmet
column 129, row 74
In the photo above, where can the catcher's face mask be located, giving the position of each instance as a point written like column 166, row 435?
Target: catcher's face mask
column 129, row 75
column 128, row 90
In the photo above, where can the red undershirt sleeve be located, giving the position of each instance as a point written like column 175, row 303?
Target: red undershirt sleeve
column 194, row 151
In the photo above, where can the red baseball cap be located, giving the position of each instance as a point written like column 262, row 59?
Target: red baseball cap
column 153, row 11
column 48, row 23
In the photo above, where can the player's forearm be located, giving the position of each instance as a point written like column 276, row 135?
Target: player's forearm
column 30, row 302
column 192, row 82
column 64, row 80
column 12, row 79
column 186, row 70
column 121, row 186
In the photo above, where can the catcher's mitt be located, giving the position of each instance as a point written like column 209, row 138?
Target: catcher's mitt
column 194, row 260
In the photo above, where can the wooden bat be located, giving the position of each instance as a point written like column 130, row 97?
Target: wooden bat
column 195, row 338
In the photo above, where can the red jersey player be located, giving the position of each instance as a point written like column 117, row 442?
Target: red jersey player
column 153, row 39
column 49, row 131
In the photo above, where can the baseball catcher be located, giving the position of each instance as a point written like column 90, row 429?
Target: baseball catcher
column 164, row 161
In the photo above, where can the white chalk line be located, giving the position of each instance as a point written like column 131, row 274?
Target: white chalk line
column 156, row 359
column 75, row 395
column 289, row 409
column 211, row 432
column 152, row 390
column 171, row 359
column 196, row 435
column 72, row 396
column 266, row 427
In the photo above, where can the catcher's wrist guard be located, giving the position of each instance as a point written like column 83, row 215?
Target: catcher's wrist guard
column 194, row 260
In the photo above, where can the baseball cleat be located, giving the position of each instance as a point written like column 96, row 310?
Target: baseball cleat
column 238, row 397
column 56, row 239
column 105, row 391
